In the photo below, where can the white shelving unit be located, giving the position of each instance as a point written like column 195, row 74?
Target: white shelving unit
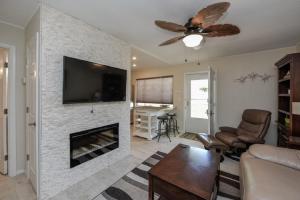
column 145, row 121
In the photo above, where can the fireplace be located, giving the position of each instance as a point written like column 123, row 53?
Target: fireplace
column 89, row 144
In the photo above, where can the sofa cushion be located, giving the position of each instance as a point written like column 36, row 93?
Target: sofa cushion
column 255, row 116
column 230, row 139
column 255, row 122
column 283, row 156
column 262, row 179
column 255, row 129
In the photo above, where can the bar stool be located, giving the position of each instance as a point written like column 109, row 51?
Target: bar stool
column 172, row 122
column 163, row 120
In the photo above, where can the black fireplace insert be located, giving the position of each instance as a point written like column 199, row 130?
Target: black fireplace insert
column 89, row 144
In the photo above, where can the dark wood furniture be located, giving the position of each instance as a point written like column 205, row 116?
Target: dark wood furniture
column 212, row 143
column 288, row 92
column 185, row 173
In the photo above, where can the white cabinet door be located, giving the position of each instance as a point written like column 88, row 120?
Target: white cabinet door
column 31, row 104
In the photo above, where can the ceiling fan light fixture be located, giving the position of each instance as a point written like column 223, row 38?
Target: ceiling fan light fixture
column 192, row 40
column 197, row 47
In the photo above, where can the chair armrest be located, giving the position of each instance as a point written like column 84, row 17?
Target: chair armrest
column 250, row 139
column 228, row 129
column 282, row 156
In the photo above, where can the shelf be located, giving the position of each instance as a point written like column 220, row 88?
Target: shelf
column 284, row 137
column 288, row 75
column 283, row 127
column 284, row 112
column 140, row 133
column 294, row 140
column 152, row 122
column 284, row 79
column 141, row 121
column 143, row 127
column 284, row 95
column 284, row 65
column 146, row 127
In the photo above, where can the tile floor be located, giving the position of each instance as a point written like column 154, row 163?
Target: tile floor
column 19, row 188
column 140, row 150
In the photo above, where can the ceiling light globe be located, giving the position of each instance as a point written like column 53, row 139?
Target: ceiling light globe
column 192, row 40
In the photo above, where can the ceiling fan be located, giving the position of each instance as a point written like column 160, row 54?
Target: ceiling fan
column 200, row 26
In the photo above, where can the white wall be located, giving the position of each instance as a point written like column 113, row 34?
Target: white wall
column 65, row 35
column 232, row 97
column 3, row 59
column 33, row 26
column 16, row 37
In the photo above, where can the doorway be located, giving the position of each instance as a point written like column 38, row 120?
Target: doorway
column 199, row 102
column 3, row 115
column 10, row 114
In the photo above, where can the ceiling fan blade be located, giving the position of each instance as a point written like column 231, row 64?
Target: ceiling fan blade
column 171, row 41
column 219, row 30
column 170, row 26
column 209, row 15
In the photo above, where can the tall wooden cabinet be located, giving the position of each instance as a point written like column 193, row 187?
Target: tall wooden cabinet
column 288, row 97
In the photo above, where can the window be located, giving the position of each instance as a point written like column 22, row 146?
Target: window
column 199, row 98
column 158, row 90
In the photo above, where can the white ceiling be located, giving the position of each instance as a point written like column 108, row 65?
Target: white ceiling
column 17, row 12
column 264, row 24
column 145, row 60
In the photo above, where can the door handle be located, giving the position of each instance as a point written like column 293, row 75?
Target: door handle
column 32, row 124
column 211, row 113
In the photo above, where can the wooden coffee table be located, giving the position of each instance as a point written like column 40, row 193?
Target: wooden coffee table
column 185, row 173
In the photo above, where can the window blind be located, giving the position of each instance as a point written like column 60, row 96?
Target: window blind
column 155, row 90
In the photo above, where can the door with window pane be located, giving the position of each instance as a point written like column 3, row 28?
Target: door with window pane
column 197, row 93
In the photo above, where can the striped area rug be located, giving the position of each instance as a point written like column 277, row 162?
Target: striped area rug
column 134, row 185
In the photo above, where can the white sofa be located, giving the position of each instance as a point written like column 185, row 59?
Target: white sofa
column 270, row 173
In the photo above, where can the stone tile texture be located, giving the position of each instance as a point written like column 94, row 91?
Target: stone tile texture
column 63, row 35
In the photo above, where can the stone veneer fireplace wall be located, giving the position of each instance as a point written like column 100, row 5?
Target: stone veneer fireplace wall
column 63, row 35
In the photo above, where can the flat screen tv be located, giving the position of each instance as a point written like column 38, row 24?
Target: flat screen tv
column 91, row 82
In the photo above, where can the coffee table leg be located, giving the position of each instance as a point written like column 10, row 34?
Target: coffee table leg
column 151, row 192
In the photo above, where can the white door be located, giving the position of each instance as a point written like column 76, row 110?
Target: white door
column 31, row 95
column 197, row 91
column 3, row 106
column 211, row 101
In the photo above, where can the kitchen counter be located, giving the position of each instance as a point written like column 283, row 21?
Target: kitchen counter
column 145, row 120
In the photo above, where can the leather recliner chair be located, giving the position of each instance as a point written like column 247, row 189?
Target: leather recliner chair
column 251, row 130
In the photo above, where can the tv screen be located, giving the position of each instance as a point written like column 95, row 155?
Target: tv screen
column 91, row 82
